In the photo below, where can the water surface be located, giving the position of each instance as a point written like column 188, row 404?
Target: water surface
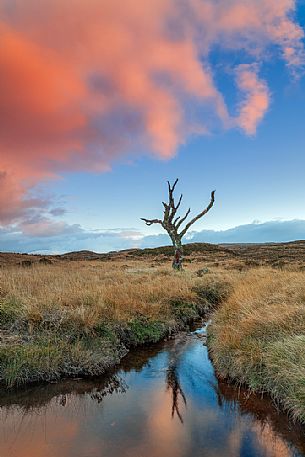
column 163, row 401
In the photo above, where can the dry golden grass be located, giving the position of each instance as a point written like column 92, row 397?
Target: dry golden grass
column 69, row 312
column 258, row 335
column 89, row 291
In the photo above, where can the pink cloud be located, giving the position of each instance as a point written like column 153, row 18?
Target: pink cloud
column 87, row 82
column 256, row 98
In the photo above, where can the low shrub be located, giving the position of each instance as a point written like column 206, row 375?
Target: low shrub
column 212, row 293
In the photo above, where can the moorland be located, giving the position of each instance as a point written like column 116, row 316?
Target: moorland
column 79, row 313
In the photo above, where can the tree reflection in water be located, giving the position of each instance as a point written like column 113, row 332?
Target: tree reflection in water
column 173, row 382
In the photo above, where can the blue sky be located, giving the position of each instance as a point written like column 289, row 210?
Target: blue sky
column 257, row 178
column 257, row 166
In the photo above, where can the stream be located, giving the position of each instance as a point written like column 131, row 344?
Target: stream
column 163, row 400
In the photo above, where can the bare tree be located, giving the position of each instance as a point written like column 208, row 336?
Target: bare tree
column 173, row 224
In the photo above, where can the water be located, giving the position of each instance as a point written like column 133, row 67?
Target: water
column 163, row 401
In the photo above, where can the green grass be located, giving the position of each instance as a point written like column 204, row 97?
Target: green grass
column 142, row 331
column 10, row 310
column 46, row 359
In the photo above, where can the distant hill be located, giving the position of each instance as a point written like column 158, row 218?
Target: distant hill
column 226, row 255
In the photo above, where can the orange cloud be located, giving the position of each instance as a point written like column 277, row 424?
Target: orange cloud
column 85, row 82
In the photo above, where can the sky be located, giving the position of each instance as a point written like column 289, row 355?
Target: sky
column 104, row 101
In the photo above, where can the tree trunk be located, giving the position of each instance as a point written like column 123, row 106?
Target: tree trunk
column 178, row 257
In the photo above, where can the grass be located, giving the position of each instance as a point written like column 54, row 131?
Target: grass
column 258, row 336
column 80, row 318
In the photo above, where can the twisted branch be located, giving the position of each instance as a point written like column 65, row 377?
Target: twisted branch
column 199, row 215
column 151, row 221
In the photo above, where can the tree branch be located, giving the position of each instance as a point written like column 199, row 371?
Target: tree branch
column 170, row 208
column 183, row 219
column 174, row 208
column 176, row 220
column 171, row 192
column 179, row 201
column 199, row 215
column 151, row 221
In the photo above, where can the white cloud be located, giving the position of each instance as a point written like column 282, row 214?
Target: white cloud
column 64, row 237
